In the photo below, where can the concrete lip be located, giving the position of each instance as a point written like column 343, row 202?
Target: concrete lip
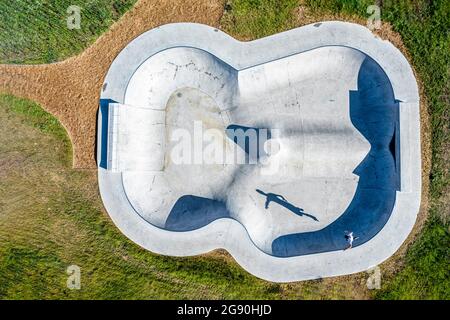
column 334, row 114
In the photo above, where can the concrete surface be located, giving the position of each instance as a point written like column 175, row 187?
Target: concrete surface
column 341, row 106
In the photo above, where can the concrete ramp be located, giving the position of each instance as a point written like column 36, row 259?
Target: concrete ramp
column 134, row 134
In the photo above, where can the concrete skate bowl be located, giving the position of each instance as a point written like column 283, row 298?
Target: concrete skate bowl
column 270, row 149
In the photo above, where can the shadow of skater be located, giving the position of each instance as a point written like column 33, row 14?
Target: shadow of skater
column 277, row 198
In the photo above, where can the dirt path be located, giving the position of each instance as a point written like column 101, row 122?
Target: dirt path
column 70, row 89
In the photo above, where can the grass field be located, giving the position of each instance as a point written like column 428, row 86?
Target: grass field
column 35, row 31
column 51, row 216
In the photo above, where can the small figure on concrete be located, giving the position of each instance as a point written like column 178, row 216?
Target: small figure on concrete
column 350, row 238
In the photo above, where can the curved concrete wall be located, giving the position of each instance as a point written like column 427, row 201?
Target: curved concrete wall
column 341, row 104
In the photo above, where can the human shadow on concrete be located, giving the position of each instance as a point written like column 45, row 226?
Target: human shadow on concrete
column 374, row 112
column 279, row 199
column 192, row 212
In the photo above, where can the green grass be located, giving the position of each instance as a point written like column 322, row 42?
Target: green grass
column 36, row 117
column 250, row 19
column 35, row 31
column 426, row 273
column 425, row 30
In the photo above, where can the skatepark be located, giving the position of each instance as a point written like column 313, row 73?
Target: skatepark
column 270, row 149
